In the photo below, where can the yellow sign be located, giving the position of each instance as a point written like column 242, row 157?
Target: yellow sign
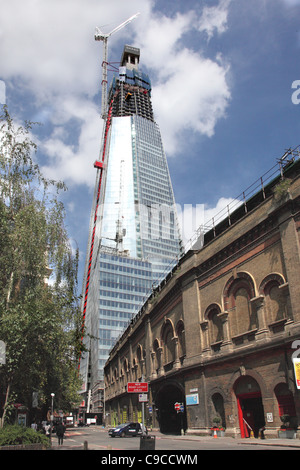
column 296, row 362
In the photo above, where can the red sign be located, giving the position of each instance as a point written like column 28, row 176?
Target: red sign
column 137, row 387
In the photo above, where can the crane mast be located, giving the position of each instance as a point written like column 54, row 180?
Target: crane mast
column 100, row 36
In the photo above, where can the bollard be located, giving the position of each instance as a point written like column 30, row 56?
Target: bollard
column 85, row 445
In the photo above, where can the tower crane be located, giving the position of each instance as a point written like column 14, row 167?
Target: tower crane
column 100, row 36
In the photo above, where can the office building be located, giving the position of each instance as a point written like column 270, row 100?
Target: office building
column 134, row 238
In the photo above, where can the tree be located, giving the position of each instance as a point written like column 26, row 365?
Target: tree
column 39, row 320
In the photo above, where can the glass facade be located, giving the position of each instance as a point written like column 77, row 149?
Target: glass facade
column 124, row 282
column 137, row 239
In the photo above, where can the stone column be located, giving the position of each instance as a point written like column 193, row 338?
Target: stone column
column 226, row 343
column 176, row 363
column 130, row 362
column 153, row 368
column 160, row 365
column 258, row 304
column 204, row 338
column 148, row 347
column 142, row 362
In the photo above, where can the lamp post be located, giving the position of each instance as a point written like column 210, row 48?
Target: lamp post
column 51, row 418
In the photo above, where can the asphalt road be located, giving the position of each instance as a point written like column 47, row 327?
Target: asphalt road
column 96, row 438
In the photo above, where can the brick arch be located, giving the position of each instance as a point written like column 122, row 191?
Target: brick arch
column 275, row 298
column 233, row 282
column 156, row 344
column 125, row 364
column 242, row 371
column 210, row 308
column 179, row 325
column 272, row 277
column 139, row 352
column 165, row 326
column 215, row 324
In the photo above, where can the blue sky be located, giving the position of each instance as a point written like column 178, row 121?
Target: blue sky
column 222, row 73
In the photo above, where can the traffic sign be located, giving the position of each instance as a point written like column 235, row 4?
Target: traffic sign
column 137, row 387
column 143, row 397
column 179, row 407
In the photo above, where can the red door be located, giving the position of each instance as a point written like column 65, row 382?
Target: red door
column 246, row 414
column 248, row 422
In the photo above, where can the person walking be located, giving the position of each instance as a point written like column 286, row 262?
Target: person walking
column 60, row 431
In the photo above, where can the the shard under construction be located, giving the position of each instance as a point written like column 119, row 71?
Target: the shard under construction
column 134, row 239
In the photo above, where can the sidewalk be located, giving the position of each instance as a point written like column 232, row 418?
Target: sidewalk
column 251, row 441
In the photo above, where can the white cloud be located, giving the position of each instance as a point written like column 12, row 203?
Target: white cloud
column 71, row 158
column 214, row 18
column 48, row 49
column 190, row 92
column 291, row 3
column 190, row 100
column 50, row 45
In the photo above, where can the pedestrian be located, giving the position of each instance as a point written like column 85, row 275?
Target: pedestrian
column 47, row 429
column 34, row 426
column 60, row 431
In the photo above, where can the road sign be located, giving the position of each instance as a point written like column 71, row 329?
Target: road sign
column 137, row 387
column 179, row 407
column 143, row 397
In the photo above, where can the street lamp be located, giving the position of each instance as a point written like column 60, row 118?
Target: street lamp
column 51, row 417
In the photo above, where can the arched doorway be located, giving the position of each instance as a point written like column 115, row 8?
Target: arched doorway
column 218, row 408
column 250, row 407
column 286, row 404
column 170, row 421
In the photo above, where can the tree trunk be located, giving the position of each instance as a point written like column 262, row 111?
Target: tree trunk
column 5, row 405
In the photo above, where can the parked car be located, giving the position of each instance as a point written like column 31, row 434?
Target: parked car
column 127, row 429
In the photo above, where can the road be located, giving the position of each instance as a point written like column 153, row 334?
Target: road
column 96, row 438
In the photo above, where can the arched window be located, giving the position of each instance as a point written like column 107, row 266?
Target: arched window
column 157, row 357
column 218, row 409
column 181, row 339
column 215, row 323
column 139, row 355
column 275, row 298
column 238, row 293
column 126, row 370
column 168, row 343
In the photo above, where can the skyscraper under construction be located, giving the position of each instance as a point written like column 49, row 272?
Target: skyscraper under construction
column 134, row 238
